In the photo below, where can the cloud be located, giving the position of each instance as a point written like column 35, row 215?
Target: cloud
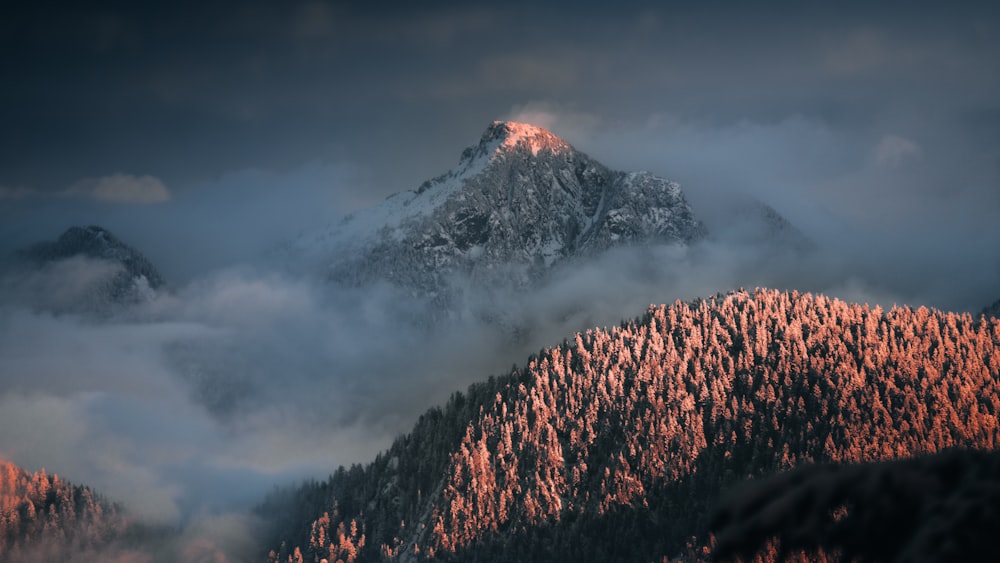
column 220, row 539
column 862, row 50
column 554, row 72
column 562, row 120
column 203, row 399
column 892, row 150
column 891, row 223
column 312, row 20
column 527, row 72
column 541, row 118
column 17, row 192
column 236, row 218
column 122, row 188
column 443, row 28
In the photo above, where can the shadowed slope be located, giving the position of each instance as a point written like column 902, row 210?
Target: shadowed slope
column 938, row 508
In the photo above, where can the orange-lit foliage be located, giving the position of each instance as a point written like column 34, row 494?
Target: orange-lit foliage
column 645, row 422
column 45, row 518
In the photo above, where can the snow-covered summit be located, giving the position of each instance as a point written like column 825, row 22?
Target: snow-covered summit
column 519, row 202
column 502, row 139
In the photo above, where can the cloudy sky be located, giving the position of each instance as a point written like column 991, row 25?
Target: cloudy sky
column 202, row 133
column 881, row 112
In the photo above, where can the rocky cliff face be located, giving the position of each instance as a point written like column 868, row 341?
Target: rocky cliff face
column 519, row 203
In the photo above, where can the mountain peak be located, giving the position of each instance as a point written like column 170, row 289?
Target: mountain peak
column 519, row 202
column 92, row 236
column 135, row 275
column 507, row 137
column 511, row 134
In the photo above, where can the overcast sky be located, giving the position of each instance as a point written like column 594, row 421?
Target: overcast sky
column 796, row 96
column 204, row 132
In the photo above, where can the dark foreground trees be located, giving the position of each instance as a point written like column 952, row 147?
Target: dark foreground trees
column 935, row 508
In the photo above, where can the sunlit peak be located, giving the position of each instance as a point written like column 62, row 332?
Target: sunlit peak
column 513, row 133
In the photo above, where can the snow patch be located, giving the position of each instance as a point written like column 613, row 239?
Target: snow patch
column 390, row 218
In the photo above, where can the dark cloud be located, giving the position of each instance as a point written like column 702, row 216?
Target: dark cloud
column 183, row 94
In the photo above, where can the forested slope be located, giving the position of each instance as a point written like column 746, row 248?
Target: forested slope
column 616, row 444
column 43, row 518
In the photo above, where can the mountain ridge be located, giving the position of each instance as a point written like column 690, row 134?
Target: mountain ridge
column 645, row 423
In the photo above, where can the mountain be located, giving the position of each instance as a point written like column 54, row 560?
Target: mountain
column 88, row 268
column 741, row 220
column 43, row 518
column 98, row 243
column 615, row 444
column 520, row 202
column 757, row 223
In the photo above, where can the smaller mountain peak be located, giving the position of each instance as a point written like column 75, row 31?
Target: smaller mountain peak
column 534, row 138
column 92, row 241
column 90, row 232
